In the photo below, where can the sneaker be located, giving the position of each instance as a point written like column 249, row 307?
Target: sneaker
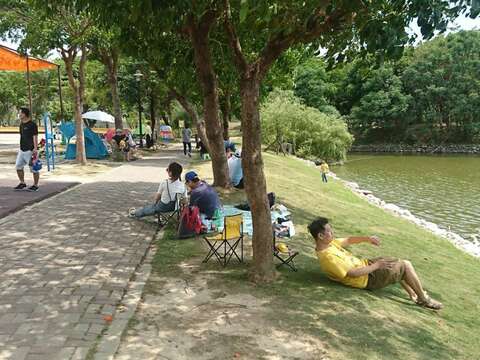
column 189, row 154
column 33, row 188
column 131, row 212
column 20, row 186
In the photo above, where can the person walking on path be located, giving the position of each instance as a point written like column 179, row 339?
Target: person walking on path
column 186, row 135
column 28, row 152
column 324, row 170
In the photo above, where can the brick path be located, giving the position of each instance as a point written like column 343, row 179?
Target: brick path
column 66, row 262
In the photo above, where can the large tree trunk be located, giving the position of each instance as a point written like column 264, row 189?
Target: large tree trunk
column 153, row 118
column 226, row 114
column 199, row 35
column 255, row 183
column 78, row 107
column 109, row 58
column 81, row 156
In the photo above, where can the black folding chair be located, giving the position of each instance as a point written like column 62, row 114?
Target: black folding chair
column 283, row 253
column 164, row 218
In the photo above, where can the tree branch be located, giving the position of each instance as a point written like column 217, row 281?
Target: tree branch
column 239, row 58
column 318, row 24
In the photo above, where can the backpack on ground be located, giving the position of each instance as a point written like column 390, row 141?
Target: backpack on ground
column 190, row 222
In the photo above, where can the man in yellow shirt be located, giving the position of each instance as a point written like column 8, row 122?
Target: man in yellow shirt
column 324, row 170
column 341, row 265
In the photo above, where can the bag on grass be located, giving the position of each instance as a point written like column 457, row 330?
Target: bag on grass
column 190, row 222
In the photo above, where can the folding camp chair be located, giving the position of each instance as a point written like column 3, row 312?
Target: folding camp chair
column 164, row 218
column 283, row 253
column 224, row 245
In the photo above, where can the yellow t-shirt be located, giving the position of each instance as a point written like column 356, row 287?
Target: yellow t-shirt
column 336, row 262
column 324, row 168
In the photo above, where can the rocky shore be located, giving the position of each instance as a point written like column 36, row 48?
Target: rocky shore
column 471, row 247
column 473, row 149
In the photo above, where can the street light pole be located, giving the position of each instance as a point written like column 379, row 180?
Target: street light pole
column 138, row 77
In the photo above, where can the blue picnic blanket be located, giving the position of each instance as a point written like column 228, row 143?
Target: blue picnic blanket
column 229, row 210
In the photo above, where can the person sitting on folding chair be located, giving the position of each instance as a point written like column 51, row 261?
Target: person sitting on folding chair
column 204, row 196
column 165, row 198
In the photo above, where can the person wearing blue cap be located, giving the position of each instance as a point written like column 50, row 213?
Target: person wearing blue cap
column 202, row 195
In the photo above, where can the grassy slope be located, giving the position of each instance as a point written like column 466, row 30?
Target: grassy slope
column 358, row 324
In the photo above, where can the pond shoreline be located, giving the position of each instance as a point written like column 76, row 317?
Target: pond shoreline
column 470, row 247
column 469, row 149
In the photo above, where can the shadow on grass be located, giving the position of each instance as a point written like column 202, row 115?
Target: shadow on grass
column 352, row 323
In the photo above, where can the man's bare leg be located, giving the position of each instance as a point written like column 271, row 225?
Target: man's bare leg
column 36, row 178
column 21, row 176
column 409, row 291
column 412, row 280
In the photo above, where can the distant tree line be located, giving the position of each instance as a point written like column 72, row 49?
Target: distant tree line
column 430, row 95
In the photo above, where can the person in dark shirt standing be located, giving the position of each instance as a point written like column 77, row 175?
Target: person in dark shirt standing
column 28, row 150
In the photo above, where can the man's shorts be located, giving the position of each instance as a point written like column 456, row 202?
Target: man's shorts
column 24, row 158
column 383, row 277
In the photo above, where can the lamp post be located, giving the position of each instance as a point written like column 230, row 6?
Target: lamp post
column 138, row 77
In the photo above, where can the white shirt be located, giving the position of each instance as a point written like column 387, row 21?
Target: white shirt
column 168, row 191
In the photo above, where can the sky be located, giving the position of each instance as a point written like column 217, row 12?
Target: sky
column 462, row 23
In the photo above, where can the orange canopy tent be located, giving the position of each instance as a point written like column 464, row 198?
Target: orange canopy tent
column 11, row 60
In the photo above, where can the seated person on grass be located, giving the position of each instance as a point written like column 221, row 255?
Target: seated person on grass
column 340, row 265
column 235, row 171
column 165, row 198
column 204, row 196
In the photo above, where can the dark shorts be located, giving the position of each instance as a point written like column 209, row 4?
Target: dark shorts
column 384, row 277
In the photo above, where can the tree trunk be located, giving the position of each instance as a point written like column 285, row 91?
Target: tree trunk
column 255, row 183
column 153, row 118
column 111, row 62
column 81, row 157
column 199, row 123
column 199, row 35
column 109, row 58
column 226, row 112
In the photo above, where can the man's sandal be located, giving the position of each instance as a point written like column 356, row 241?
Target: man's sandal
column 429, row 303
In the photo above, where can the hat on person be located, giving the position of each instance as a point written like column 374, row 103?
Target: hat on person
column 118, row 130
column 190, row 176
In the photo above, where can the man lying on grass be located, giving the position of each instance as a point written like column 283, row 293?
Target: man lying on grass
column 340, row 265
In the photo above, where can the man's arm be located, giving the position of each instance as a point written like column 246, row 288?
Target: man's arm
column 365, row 270
column 35, row 144
column 374, row 240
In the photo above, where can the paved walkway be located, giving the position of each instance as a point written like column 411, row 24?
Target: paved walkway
column 65, row 262
column 12, row 201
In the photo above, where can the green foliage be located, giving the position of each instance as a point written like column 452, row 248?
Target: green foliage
column 430, row 95
column 383, row 103
column 443, row 77
column 312, row 84
column 285, row 118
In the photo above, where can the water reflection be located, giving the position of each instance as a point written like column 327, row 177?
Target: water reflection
column 440, row 189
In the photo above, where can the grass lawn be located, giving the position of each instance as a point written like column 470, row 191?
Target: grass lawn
column 352, row 323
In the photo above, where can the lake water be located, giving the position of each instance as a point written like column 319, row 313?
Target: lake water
column 442, row 189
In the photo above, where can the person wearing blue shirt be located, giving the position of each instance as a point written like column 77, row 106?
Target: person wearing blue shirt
column 235, row 169
column 202, row 195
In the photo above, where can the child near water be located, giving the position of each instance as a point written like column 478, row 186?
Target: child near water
column 324, row 170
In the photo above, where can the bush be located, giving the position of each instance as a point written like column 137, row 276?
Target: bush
column 285, row 119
